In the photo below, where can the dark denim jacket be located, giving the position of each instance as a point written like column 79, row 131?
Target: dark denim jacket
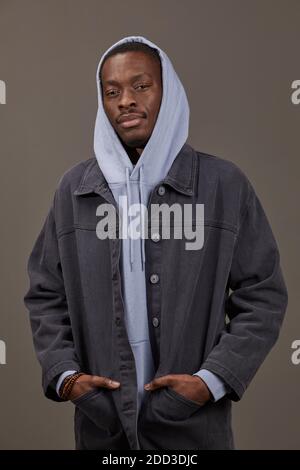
column 218, row 308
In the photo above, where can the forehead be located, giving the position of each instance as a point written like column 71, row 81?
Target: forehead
column 122, row 66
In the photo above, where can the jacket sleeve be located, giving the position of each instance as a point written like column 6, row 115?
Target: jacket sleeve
column 256, row 305
column 48, row 310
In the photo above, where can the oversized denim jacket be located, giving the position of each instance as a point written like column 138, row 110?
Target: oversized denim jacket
column 219, row 308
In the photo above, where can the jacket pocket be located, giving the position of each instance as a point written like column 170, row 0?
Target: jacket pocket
column 98, row 406
column 168, row 420
column 178, row 396
column 85, row 396
column 173, row 405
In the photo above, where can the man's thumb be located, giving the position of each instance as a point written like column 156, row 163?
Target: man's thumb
column 113, row 383
column 100, row 381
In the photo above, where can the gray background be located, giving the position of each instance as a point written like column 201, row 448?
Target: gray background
column 237, row 60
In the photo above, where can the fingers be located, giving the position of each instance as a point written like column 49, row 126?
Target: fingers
column 87, row 382
column 106, row 382
column 158, row 382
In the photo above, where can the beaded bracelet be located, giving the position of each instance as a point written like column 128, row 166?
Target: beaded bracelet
column 68, row 385
column 63, row 387
column 65, row 381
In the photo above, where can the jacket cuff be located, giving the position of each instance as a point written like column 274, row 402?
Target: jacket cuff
column 48, row 382
column 237, row 389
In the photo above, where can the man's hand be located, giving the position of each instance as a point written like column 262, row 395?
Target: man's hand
column 86, row 382
column 190, row 386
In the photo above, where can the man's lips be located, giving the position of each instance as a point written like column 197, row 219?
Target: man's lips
column 130, row 120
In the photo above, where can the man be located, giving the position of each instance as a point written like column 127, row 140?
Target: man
column 165, row 337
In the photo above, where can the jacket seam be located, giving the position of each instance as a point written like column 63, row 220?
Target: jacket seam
column 175, row 184
column 56, row 367
column 210, row 223
column 86, row 173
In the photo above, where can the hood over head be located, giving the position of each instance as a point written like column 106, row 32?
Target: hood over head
column 168, row 137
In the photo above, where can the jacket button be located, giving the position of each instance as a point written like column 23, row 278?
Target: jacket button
column 161, row 190
column 154, row 278
column 155, row 321
column 118, row 321
column 155, row 237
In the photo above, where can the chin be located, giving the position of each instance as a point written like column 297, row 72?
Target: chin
column 136, row 142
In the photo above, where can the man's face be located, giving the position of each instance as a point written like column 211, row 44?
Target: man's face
column 132, row 86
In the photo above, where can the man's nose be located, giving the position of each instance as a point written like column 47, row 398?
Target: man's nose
column 127, row 99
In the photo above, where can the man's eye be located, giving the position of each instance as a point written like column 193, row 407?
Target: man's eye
column 111, row 93
column 114, row 92
column 142, row 86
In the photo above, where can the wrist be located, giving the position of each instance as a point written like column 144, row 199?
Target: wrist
column 67, row 385
column 208, row 395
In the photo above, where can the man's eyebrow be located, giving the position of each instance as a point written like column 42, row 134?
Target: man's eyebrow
column 135, row 77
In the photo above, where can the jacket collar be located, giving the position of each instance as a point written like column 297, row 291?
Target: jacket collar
column 181, row 176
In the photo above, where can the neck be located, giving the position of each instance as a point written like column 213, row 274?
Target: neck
column 133, row 153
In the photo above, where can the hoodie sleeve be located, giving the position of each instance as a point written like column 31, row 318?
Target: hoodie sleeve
column 214, row 383
column 256, row 305
column 62, row 378
column 48, row 309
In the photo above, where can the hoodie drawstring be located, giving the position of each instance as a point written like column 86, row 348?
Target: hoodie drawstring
column 142, row 245
column 128, row 206
column 142, row 217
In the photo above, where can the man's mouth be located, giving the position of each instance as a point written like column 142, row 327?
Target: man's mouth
column 130, row 120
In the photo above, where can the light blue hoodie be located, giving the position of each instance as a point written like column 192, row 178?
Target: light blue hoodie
column 136, row 182
column 169, row 134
